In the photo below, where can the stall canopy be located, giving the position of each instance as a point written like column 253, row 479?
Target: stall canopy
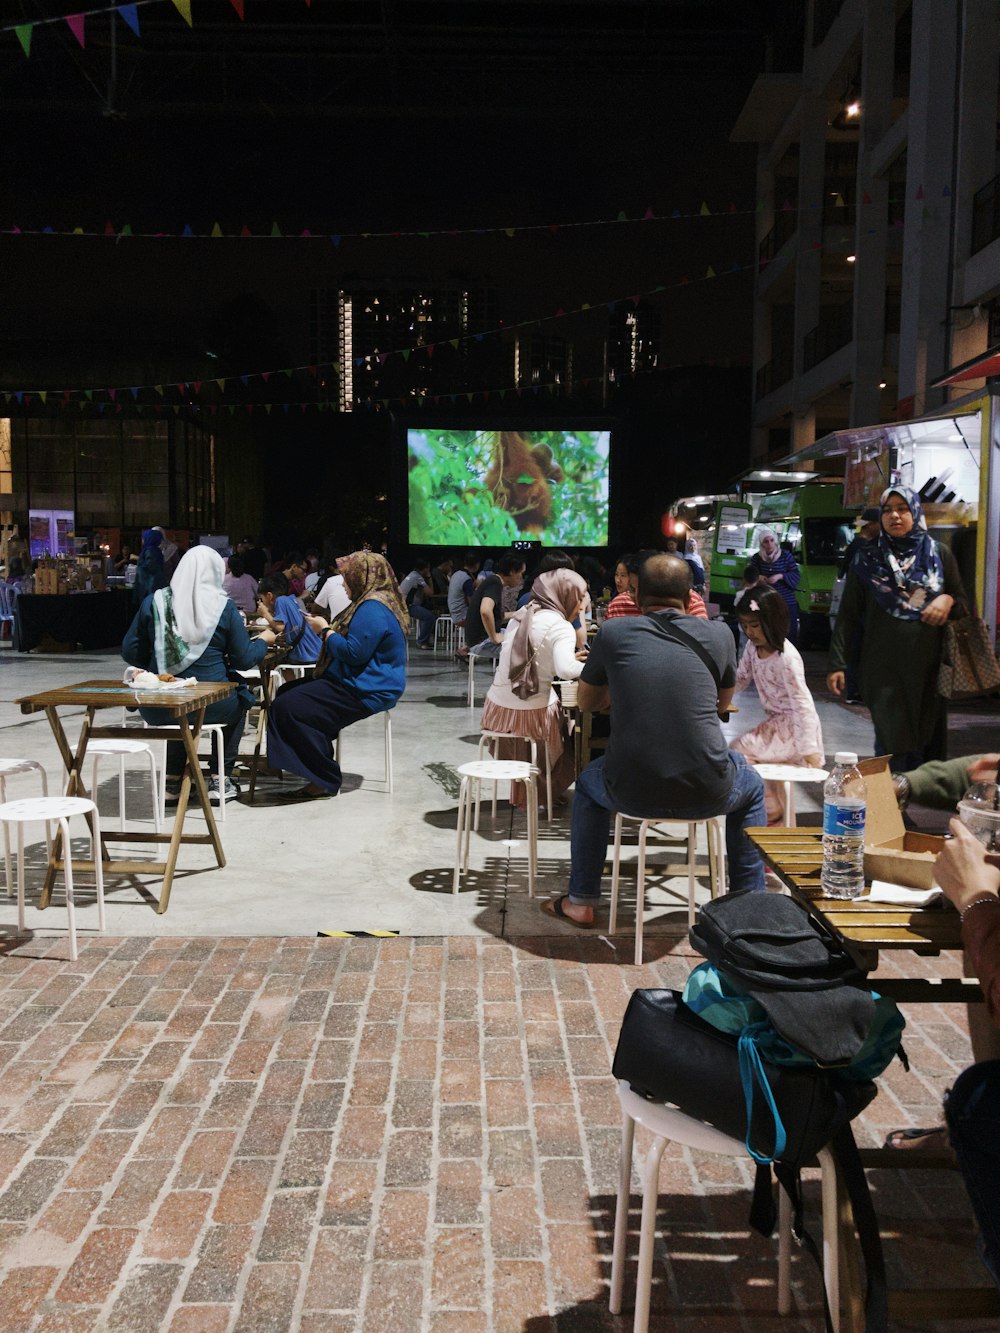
column 867, row 441
column 982, row 367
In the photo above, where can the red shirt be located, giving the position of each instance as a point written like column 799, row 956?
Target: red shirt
column 623, row 605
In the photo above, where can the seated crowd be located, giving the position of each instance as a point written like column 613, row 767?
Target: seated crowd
column 346, row 618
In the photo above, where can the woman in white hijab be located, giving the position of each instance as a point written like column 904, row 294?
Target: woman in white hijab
column 193, row 629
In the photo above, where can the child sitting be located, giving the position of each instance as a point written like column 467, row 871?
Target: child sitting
column 791, row 734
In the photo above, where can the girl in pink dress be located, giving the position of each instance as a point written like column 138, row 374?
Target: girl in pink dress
column 791, row 733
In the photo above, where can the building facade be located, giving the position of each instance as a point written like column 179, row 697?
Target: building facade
column 878, row 222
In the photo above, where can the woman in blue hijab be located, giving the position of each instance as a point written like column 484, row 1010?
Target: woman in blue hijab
column 905, row 585
column 150, row 572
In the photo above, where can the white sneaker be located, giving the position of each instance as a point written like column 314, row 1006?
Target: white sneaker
column 229, row 792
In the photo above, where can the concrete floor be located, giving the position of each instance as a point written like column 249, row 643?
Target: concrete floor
column 368, row 860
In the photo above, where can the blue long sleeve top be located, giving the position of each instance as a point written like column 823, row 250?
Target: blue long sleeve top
column 289, row 610
column 370, row 659
column 229, row 646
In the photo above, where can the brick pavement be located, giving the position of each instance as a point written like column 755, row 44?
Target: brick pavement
column 351, row 1136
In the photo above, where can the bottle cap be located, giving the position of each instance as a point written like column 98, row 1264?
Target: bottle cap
column 845, row 758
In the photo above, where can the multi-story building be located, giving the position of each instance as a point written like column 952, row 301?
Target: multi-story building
column 409, row 337
column 633, row 340
column 543, row 361
column 878, row 216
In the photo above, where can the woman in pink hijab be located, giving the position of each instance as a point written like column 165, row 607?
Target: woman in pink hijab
column 539, row 646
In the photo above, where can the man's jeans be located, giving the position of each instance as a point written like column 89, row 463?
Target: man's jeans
column 591, row 829
column 427, row 620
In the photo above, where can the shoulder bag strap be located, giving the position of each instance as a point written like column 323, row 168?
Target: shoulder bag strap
column 669, row 629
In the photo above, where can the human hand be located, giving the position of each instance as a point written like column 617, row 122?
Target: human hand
column 775, row 578
column 268, row 636
column 963, row 869
column 316, row 623
column 835, row 682
column 983, row 769
column 937, row 611
column 814, row 761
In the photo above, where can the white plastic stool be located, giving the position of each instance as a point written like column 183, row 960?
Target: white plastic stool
column 10, row 768
column 668, row 1125
column 494, row 770
column 473, row 659
column 443, row 628
column 120, row 749
column 57, row 809
column 487, row 749
column 286, row 671
column 207, row 729
column 715, row 828
column 787, row 774
column 387, row 715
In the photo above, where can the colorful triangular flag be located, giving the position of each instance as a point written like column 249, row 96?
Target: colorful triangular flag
column 23, row 32
column 77, row 24
column 183, row 8
column 238, row 6
column 130, row 13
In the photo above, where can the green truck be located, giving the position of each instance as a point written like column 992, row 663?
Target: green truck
column 813, row 519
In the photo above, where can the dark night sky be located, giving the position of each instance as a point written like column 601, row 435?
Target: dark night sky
column 449, row 125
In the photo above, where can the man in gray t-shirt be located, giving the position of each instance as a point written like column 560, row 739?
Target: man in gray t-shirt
column 667, row 677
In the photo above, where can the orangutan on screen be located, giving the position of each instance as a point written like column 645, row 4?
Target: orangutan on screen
column 519, row 477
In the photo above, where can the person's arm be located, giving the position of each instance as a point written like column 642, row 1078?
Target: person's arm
column 937, row 611
column 790, row 572
column 137, row 646
column 487, row 614
column 594, row 691
column 851, row 605
column 565, row 663
column 744, row 670
column 971, row 882
column 242, row 652
column 364, row 634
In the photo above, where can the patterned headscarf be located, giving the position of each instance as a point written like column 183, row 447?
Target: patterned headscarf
column 368, row 577
column 559, row 590
column 904, row 573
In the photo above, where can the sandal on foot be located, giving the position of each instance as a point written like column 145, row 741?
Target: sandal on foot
column 933, row 1138
column 554, row 907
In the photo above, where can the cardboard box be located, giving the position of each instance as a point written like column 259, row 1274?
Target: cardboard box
column 891, row 853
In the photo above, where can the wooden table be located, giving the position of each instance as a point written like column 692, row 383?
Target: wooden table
column 796, row 857
column 92, row 695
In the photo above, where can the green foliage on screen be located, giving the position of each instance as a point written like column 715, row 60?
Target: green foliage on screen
column 451, row 505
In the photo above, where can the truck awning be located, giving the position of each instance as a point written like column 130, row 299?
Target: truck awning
column 869, row 441
column 981, row 367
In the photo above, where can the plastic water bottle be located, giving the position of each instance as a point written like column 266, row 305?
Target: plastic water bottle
column 843, row 873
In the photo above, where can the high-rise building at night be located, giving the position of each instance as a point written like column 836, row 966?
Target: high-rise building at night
column 399, row 338
column 633, row 340
column 543, row 361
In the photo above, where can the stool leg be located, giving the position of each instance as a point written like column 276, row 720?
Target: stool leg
column 548, row 782
column 640, row 893
column 621, row 1215
column 616, row 865
column 95, row 852
column 468, row 819
column 532, row 804
column 784, row 1253
column 153, row 790
column 68, row 876
column 647, row 1234
column 6, row 842
column 221, row 776
column 45, row 792
column 789, row 805
column 831, row 1247
column 20, row 879
column 121, row 791
column 388, row 751
column 93, row 775
column 462, row 792
column 472, row 681
column 692, row 850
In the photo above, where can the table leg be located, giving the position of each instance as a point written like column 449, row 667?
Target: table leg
column 192, row 774
column 74, row 787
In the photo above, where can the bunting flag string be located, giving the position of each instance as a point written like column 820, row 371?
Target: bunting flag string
column 186, row 388
column 244, row 232
column 129, row 13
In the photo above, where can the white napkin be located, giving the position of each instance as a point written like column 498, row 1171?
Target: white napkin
column 883, row 892
column 147, row 680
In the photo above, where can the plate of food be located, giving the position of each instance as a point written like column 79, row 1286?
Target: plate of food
column 149, row 680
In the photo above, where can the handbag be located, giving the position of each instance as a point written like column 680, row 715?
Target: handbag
column 969, row 666
column 784, row 1113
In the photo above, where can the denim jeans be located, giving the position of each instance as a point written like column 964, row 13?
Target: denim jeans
column 972, row 1110
column 426, row 618
column 591, row 829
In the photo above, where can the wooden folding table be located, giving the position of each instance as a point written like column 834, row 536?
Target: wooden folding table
column 179, row 704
